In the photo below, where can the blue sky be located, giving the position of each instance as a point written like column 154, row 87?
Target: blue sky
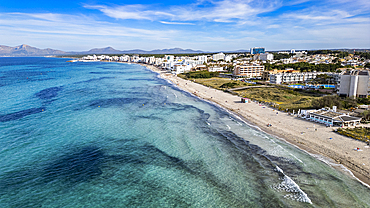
column 221, row 25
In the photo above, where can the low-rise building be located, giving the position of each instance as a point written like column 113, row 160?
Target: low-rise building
column 286, row 78
column 216, row 69
column 266, row 74
column 202, row 59
column 218, row 56
column 180, row 68
column 229, row 58
column 329, row 117
column 169, row 58
column 293, row 77
column 266, row 57
column 199, row 67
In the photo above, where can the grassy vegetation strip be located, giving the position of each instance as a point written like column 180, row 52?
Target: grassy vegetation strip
column 281, row 98
column 361, row 133
column 199, row 75
column 222, row 83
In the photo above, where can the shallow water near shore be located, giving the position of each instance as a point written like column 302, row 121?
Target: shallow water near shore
column 115, row 135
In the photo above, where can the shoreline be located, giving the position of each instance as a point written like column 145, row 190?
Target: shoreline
column 337, row 152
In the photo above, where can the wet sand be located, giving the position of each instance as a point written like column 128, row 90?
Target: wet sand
column 337, row 152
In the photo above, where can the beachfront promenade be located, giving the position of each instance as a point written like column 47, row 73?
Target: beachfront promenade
column 312, row 137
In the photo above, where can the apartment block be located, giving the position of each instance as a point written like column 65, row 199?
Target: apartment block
column 266, row 57
column 266, row 74
column 218, row 56
column 248, row 70
column 293, row 77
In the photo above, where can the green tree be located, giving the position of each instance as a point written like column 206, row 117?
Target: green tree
column 327, row 101
column 323, row 79
column 278, row 56
column 201, row 74
column 366, row 115
column 364, row 55
column 364, row 101
column 349, row 103
column 229, row 85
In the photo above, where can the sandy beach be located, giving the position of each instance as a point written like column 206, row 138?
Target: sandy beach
column 338, row 151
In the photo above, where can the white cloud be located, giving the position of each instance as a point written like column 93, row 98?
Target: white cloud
column 71, row 24
column 295, row 2
column 209, row 25
column 74, row 27
column 137, row 12
column 220, row 11
column 176, row 23
column 308, row 18
column 273, row 26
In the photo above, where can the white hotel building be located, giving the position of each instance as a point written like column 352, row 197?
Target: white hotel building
column 218, row 56
column 266, row 57
column 293, row 77
column 355, row 83
column 202, row 59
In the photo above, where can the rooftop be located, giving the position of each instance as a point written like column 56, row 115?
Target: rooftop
column 349, row 118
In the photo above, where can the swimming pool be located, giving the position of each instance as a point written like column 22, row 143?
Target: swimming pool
column 311, row 86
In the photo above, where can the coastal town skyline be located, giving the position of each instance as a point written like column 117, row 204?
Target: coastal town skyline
column 198, row 25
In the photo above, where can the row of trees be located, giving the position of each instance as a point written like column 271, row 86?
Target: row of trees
column 339, row 54
column 229, row 85
column 340, row 102
column 363, row 101
column 200, row 74
column 319, row 52
column 364, row 55
column 278, row 56
column 330, row 101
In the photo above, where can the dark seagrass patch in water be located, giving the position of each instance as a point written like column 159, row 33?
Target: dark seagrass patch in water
column 20, row 114
column 81, row 165
column 48, row 93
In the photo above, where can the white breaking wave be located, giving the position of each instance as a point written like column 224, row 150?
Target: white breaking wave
column 295, row 157
column 289, row 185
column 278, row 169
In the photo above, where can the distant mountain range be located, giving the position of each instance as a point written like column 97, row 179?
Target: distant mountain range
column 26, row 50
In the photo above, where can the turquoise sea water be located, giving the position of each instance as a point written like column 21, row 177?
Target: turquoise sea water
column 115, row 135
